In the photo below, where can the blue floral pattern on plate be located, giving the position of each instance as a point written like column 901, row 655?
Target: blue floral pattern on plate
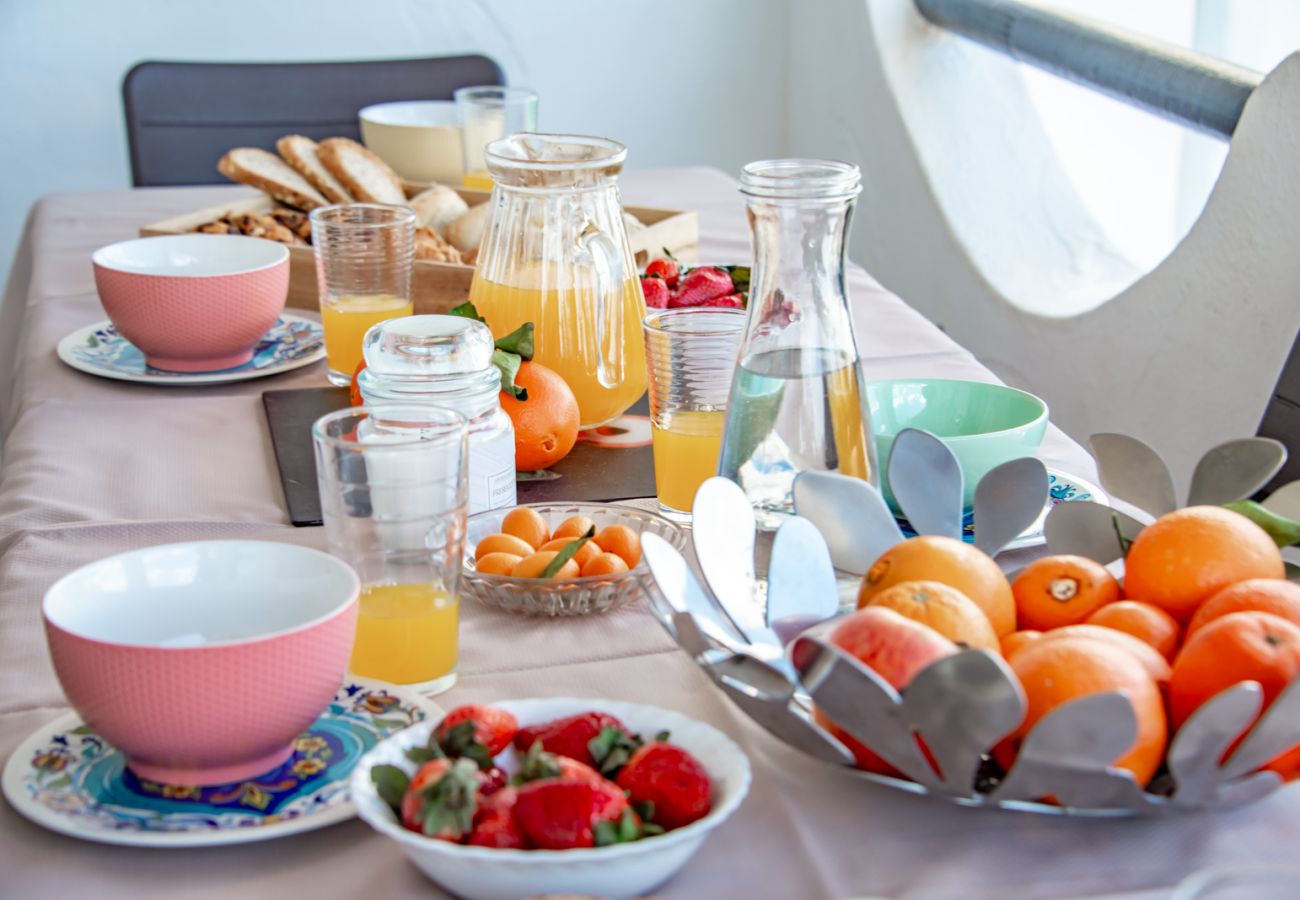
column 1061, row 488
column 68, row 778
column 99, row 350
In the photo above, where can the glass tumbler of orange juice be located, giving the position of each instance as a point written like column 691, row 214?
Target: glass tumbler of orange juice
column 690, row 356
column 393, row 491
column 364, row 253
column 555, row 253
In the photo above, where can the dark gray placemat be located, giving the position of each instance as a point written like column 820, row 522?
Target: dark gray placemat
column 590, row 473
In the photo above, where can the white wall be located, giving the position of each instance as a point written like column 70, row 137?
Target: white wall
column 679, row 81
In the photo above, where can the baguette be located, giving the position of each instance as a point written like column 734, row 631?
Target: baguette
column 438, row 207
column 364, row 175
column 300, row 152
column 267, row 172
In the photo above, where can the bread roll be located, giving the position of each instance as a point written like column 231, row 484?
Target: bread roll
column 466, row 232
column 438, row 207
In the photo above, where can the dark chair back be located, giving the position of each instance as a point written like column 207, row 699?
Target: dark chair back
column 181, row 117
column 1282, row 418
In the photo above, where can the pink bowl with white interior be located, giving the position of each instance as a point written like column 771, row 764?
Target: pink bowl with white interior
column 193, row 302
column 203, row 661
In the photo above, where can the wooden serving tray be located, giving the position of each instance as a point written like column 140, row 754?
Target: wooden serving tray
column 436, row 286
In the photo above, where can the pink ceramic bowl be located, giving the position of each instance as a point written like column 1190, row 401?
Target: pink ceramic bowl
column 202, row 662
column 193, row 302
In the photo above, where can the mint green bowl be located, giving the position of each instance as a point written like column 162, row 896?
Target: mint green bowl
column 984, row 424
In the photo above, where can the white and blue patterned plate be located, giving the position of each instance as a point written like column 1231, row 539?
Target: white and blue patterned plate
column 294, row 342
column 1061, row 488
column 68, row 779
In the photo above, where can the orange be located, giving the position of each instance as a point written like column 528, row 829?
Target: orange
column 605, row 564
column 586, row 553
column 1054, row 672
column 1061, row 590
column 1253, row 645
column 533, row 566
column 527, row 525
column 496, row 563
column 1142, row 620
column 952, row 562
column 1270, row 595
column 574, row 526
column 621, row 541
column 502, row 543
column 943, row 608
column 1248, row 645
column 1017, row 639
column 354, row 389
column 546, row 424
column 1155, row 664
column 1187, row 556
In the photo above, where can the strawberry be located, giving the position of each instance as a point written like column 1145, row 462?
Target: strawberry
column 730, row 301
column 479, row 732
column 494, row 779
column 442, row 798
column 700, row 285
column 555, row 814
column 560, row 813
column 538, row 764
column 656, row 293
column 495, row 824
column 665, row 268
column 573, row 737
column 667, row 783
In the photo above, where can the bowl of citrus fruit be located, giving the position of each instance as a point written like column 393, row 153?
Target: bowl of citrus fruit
column 560, row 559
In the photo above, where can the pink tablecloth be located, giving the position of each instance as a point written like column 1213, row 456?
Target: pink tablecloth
column 91, row 467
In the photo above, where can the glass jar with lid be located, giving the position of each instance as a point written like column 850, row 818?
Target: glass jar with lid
column 447, row 361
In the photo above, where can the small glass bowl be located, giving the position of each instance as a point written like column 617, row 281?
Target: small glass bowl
column 572, row 596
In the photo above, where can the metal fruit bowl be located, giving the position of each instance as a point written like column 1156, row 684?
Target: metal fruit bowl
column 769, row 657
column 570, row 596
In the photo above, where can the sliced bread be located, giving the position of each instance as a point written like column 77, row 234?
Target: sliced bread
column 299, row 151
column 267, row 172
column 365, row 175
column 438, row 207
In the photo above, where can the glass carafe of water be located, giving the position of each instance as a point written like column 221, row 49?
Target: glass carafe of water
column 798, row 402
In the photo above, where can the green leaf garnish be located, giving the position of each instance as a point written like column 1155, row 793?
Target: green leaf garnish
column 422, row 755
column 467, row 311
column 604, row 834
column 650, row 829
column 566, row 553
column 739, row 277
column 661, row 737
column 1282, row 530
column 460, row 742
column 391, row 783
column 519, row 341
column 611, row 749
column 508, row 364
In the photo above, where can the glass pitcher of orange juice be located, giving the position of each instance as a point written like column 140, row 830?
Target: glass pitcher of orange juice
column 556, row 254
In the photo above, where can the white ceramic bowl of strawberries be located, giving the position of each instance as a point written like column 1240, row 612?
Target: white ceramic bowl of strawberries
column 619, row 870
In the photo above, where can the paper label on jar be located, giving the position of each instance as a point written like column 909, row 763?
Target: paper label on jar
column 492, row 473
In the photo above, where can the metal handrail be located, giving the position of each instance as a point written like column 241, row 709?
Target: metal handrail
column 1175, row 83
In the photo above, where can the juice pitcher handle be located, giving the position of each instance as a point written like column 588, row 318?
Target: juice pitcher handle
column 607, row 263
